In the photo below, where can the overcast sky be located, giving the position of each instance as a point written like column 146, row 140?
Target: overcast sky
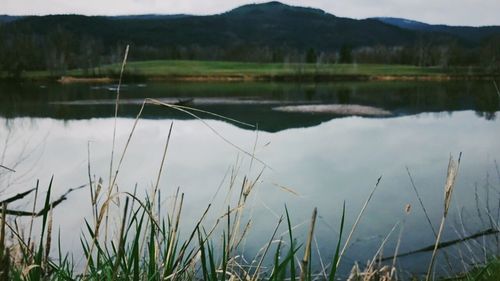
column 453, row 12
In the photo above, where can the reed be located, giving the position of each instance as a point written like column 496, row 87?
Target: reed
column 448, row 191
column 306, row 270
column 356, row 222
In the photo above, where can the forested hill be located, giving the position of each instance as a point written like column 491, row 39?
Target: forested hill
column 471, row 34
column 258, row 32
column 6, row 18
column 273, row 24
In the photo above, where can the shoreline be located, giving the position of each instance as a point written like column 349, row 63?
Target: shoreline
column 229, row 71
column 76, row 79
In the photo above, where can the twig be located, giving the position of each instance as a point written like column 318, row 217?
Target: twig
column 111, row 180
column 257, row 270
column 307, row 252
column 426, row 214
column 47, row 208
column 421, row 202
column 17, row 196
column 349, row 237
column 7, row 168
column 186, row 110
column 372, row 262
column 496, row 87
column 441, row 245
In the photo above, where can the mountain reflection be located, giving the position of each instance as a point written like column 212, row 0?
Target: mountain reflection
column 248, row 102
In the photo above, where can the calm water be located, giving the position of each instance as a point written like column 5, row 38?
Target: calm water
column 325, row 159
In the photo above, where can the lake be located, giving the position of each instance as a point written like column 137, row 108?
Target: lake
column 306, row 159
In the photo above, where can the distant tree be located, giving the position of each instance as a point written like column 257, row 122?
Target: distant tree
column 377, row 54
column 2, row 52
column 19, row 54
column 311, row 56
column 456, row 55
column 175, row 53
column 490, row 53
column 345, row 54
column 61, row 51
column 423, row 51
column 277, row 55
column 89, row 56
column 444, row 56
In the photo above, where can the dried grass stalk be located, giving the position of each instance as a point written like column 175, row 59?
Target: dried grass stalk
column 307, row 252
column 448, row 191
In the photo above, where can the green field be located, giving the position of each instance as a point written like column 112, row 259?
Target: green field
column 216, row 68
column 207, row 70
column 266, row 69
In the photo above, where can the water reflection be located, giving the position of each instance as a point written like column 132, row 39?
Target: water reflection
column 326, row 164
column 249, row 102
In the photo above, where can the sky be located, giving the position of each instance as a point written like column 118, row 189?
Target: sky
column 452, row 12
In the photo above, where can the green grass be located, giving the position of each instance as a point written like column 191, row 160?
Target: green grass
column 215, row 68
column 487, row 272
column 172, row 69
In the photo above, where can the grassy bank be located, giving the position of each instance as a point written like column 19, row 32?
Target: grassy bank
column 239, row 71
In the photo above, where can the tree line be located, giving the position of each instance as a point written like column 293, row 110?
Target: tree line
column 61, row 50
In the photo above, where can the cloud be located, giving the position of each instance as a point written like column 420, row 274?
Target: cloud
column 455, row 12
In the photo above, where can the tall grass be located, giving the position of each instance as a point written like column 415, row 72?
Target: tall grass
column 448, row 191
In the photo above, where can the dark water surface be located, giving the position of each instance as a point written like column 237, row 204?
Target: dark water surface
column 325, row 159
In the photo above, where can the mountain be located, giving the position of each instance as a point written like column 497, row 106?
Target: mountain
column 149, row 17
column 6, row 18
column 469, row 33
column 277, row 24
column 404, row 23
column 271, row 24
column 272, row 7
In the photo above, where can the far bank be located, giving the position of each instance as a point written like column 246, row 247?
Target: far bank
column 205, row 71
